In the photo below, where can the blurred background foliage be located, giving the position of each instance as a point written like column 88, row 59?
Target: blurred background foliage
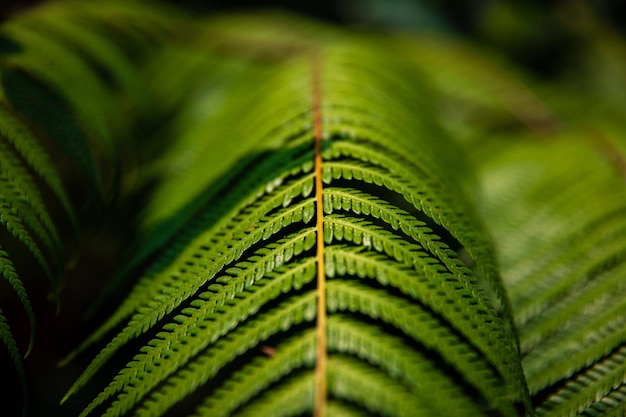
column 576, row 43
column 567, row 45
column 543, row 36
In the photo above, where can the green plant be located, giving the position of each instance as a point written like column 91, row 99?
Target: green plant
column 304, row 219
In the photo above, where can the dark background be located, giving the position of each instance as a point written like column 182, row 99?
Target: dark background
column 531, row 33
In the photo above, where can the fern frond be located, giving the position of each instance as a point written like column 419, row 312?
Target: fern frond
column 231, row 263
column 61, row 82
column 9, row 342
column 600, row 291
column 594, row 385
column 356, row 381
column 8, row 272
column 238, row 393
column 424, row 327
column 222, row 352
column 566, row 290
column 63, row 87
column 305, row 234
column 344, row 261
column 291, row 398
column 13, row 222
column 430, row 201
column 546, row 366
column 32, row 83
column 238, row 228
column 351, row 200
column 38, row 160
column 96, row 47
column 228, row 220
column 208, row 312
column 25, row 192
column 610, row 405
column 18, row 188
column 389, row 353
column 180, row 285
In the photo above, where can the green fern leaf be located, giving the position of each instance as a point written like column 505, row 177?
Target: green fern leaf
column 13, row 222
column 290, row 398
column 566, row 290
column 30, row 75
column 59, row 120
column 235, row 267
column 18, row 188
column 261, row 373
column 7, row 340
column 7, row 270
column 37, row 159
column 306, row 237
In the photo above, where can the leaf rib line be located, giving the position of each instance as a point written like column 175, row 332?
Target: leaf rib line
column 319, row 409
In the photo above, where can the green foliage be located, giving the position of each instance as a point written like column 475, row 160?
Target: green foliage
column 471, row 233
column 62, row 83
column 567, row 302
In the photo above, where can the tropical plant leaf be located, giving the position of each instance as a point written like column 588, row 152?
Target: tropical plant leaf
column 324, row 136
column 9, row 342
column 317, row 220
column 7, row 271
column 62, row 84
column 569, row 222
